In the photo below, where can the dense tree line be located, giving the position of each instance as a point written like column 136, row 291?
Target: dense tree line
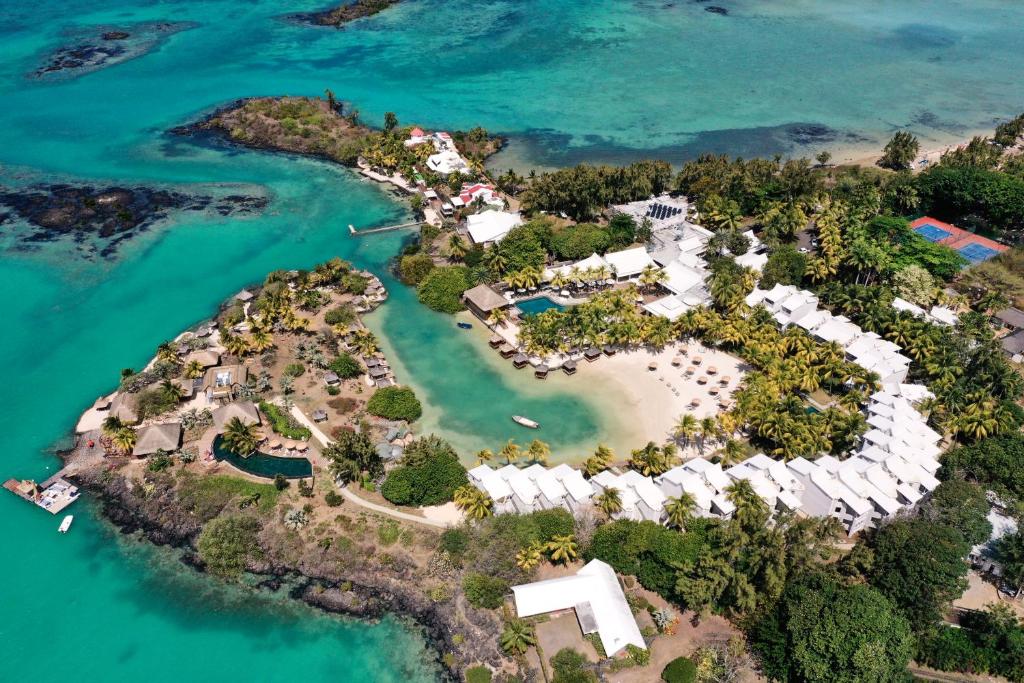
column 582, row 192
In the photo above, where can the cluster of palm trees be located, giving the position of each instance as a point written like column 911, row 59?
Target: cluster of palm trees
column 474, row 502
column 536, row 451
column 653, row 460
column 559, row 549
column 120, row 435
column 240, row 438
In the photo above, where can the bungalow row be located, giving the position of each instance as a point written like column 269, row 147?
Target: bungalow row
column 533, row 488
column 792, row 307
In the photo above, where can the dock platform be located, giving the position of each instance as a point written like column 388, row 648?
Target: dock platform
column 53, row 495
column 385, row 228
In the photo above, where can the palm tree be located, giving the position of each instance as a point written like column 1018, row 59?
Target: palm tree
column 510, row 451
column 609, row 501
column 260, row 340
column 733, row 452
column 518, row 637
column 457, row 247
column 112, row 424
column 240, row 438
column 707, row 431
column 235, row 345
column 124, row 440
column 679, row 509
column 166, row 353
column 170, row 391
column 651, row 276
column 686, row 427
column 538, row 452
column 529, row 557
column 751, row 511
column 497, row 317
column 193, row 370
column 484, row 456
column 474, row 502
column 495, row 260
column 563, row 548
column 365, row 342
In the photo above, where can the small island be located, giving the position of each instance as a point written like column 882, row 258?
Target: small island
column 341, row 15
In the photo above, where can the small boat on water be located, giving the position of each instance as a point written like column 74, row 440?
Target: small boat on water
column 525, row 421
column 465, row 326
column 66, row 524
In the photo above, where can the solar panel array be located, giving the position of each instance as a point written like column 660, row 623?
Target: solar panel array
column 660, row 212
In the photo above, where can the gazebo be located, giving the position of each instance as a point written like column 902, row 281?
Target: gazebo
column 160, row 437
column 482, row 299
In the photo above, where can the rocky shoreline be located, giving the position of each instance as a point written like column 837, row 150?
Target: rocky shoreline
column 367, row 594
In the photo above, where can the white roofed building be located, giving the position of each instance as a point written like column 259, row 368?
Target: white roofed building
column 629, row 263
column 596, row 596
column 491, row 226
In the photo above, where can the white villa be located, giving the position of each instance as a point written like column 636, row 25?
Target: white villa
column 491, row 226
column 596, row 596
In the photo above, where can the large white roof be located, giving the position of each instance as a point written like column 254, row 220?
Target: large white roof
column 595, row 585
column 668, row 307
column 681, row 278
column 629, row 262
column 491, row 226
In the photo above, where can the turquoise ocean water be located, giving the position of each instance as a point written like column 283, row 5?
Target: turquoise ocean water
column 567, row 80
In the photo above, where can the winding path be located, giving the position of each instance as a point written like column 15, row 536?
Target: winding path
column 362, row 502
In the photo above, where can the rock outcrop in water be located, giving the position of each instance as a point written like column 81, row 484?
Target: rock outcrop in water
column 111, row 215
column 344, row 14
column 100, row 47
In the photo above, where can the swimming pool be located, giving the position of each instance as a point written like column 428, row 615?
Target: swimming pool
column 263, row 465
column 538, row 305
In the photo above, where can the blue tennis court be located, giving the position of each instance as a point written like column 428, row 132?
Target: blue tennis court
column 976, row 253
column 932, row 233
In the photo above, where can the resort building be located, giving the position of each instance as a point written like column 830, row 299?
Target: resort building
column 224, row 380
column 525, row 494
column 597, row 598
column 490, row 482
column 938, row 315
column 482, row 299
column 243, row 410
column 641, row 498
column 478, row 192
column 579, row 491
column 491, row 226
column 629, row 263
column 447, row 162
column 161, row 437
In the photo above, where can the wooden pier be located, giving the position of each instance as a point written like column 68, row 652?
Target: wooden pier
column 53, row 495
column 386, row 228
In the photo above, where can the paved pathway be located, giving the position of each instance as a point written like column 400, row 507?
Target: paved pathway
column 397, row 514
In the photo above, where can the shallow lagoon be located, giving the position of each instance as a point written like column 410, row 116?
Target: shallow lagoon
column 600, row 80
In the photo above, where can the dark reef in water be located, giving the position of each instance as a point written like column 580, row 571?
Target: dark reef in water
column 553, row 149
column 343, row 14
column 715, row 9
column 111, row 214
column 98, row 47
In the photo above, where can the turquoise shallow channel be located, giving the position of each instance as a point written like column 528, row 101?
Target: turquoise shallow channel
column 567, row 80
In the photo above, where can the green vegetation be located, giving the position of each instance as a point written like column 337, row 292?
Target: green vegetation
column 240, row 438
column 344, row 314
column 428, row 474
column 648, row 551
column 395, row 403
column 569, row 666
column 900, row 152
column 680, row 670
column 487, row 592
column 988, row 200
column 477, row 674
column 227, row 544
column 996, row 462
column 352, row 454
column 1002, row 275
column 524, row 248
column 823, row 631
column 206, row 496
column 583, row 191
column 294, row 370
column 962, row 505
column 991, row 641
column 283, row 423
column 443, row 286
column 345, row 366
column 414, row 268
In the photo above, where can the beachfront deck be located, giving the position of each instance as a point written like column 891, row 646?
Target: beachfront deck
column 53, row 495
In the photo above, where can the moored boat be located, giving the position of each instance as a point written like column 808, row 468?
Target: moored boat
column 66, row 524
column 525, row 421
column 465, row 326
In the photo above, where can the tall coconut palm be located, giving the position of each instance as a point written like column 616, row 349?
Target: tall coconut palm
column 518, row 637
column 124, row 440
column 474, row 502
column 733, row 452
column 498, row 317
column 260, row 340
column 235, row 345
column 166, row 353
column 679, row 509
column 538, row 452
column 112, row 424
column 483, row 456
column 686, row 427
column 563, row 548
column 240, row 438
column 457, row 248
column 495, row 260
column 707, row 431
column 170, row 391
column 193, row 370
column 510, row 451
column 365, row 342
column 609, row 501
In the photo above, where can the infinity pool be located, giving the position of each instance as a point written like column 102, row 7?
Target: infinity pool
column 263, row 465
column 538, row 305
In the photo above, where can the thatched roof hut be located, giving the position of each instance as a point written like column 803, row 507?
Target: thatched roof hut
column 206, row 358
column 520, row 360
column 124, row 407
column 161, row 437
column 569, row 367
column 482, row 300
column 243, row 410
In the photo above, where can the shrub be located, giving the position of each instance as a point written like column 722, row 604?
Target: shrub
column 679, row 670
column 226, row 544
column 282, row 423
column 388, row 532
column 580, row 241
column 454, row 542
column 478, row 674
column 395, row 403
column 569, row 666
column 343, row 405
column 442, row 289
column 431, row 481
column 294, row 370
column 153, row 402
column 334, row 499
column 413, row 269
column 344, row 314
column 640, row 655
column 159, row 462
column 333, row 391
column 345, row 366
column 354, row 283
column 648, row 551
column 280, row 482
column 484, row 591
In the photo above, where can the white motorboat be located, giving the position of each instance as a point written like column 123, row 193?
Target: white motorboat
column 525, row 421
column 66, row 524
